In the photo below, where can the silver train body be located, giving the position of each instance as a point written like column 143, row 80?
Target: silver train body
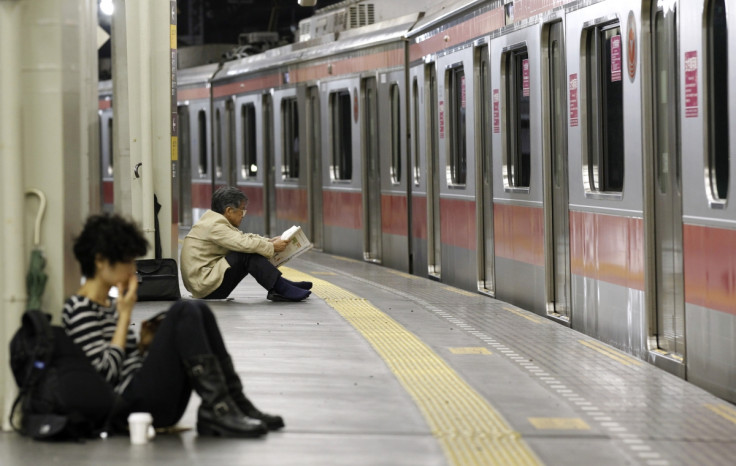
column 568, row 157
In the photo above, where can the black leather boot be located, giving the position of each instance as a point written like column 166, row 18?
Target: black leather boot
column 218, row 414
column 235, row 388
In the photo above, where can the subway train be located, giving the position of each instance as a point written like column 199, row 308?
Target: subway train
column 571, row 158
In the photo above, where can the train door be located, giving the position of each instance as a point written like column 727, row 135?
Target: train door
column 434, row 246
column 486, row 282
column 185, row 167
column 666, row 185
column 557, row 218
column 371, row 173
column 314, row 161
column 269, row 173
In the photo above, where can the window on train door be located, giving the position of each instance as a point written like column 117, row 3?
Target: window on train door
column 415, row 132
column 395, row 134
column 111, row 160
column 517, row 157
column 457, row 162
column 290, row 131
column 249, row 162
column 717, row 69
column 202, row 124
column 218, row 144
column 604, row 159
column 342, row 137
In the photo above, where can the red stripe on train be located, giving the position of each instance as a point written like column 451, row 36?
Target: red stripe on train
column 342, row 209
column 457, row 223
column 291, row 204
column 608, row 248
column 419, row 216
column 394, row 215
column 519, row 233
column 710, row 267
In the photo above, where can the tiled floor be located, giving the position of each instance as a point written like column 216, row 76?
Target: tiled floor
column 406, row 371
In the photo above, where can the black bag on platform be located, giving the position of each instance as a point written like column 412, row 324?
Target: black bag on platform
column 158, row 279
column 61, row 395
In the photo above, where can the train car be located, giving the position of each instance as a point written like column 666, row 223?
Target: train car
column 531, row 151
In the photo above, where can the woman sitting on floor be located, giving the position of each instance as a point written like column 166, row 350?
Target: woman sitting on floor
column 157, row 375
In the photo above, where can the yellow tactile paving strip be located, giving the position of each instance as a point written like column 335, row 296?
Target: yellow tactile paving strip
column 467, row 427
column 611, row 353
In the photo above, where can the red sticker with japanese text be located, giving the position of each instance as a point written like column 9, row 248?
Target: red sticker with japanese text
column 442, row 119
column 691, row 84
column 573, row 87
column 525, row 78
column 615, row 58
column 496, row 112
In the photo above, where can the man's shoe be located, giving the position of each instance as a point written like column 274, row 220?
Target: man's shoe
column 275, row 297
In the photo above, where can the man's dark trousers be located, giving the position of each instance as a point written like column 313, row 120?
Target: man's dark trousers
column 242, row 264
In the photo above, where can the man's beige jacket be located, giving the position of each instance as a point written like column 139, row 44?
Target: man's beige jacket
column 203, row 262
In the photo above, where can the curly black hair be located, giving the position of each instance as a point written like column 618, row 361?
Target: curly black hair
column 111, row 237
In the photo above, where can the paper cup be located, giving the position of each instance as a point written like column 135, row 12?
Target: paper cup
column 139, row 425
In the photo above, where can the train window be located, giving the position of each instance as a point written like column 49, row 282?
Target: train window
column 110, row 159
column 605, row 123
column 184, row 140
column 457, row 162
column 229, row 141
column 290, row 133
column 202, row 120
column 249, row 162
column 342, row 137
column 395, row 134
column 717, row 69
column 415, row 136
column 218, row 144
column 517, row 156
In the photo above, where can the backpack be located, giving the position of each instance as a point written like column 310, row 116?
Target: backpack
column 61, row 395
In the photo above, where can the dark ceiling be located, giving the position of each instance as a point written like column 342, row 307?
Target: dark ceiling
column 221, row 21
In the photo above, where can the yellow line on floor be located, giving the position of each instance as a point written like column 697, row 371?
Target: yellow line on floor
column 462, row 292
column 526, row 315
column 611, row 353
column 725, row 411
column 467, row 427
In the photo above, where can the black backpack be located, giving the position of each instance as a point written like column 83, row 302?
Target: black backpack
column 61, row 395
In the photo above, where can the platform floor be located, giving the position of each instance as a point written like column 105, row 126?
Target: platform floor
column 378, row 367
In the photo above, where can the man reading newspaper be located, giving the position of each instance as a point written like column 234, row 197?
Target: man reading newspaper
column 216, row 255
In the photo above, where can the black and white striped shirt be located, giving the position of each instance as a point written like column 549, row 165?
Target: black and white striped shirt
column 91, row 327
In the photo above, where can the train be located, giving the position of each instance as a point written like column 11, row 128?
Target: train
column 570, row 157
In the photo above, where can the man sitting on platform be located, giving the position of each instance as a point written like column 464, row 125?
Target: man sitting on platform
column 216, row 255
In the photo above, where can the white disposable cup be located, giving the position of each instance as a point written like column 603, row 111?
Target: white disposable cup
column 140, row 427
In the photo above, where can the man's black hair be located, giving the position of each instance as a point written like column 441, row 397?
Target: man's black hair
column 227, row 196
column 111, row 237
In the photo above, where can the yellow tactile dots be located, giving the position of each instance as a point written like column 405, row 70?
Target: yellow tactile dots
column 466, row 425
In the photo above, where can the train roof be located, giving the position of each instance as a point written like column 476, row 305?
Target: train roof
column 198, row 75
column 327, row 45
column 443, row 14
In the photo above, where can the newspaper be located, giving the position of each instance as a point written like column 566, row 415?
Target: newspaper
column 298, row 244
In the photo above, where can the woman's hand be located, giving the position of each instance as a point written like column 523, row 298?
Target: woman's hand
column 127, row 295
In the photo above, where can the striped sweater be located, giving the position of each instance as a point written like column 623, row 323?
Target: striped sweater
column 91, row 327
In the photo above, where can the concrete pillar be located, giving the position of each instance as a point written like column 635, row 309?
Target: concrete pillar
column 12, row 285
column 44, row 58
column 149, row 79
